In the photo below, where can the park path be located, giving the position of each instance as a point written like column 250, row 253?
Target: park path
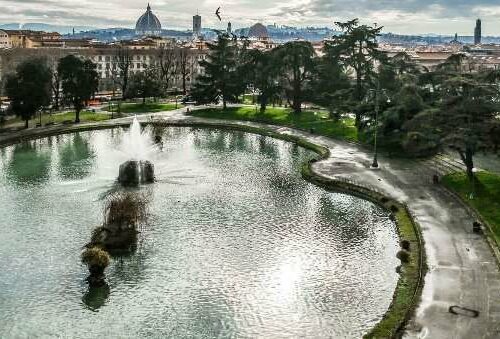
column 461, row 267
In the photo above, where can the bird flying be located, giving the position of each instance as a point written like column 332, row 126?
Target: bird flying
column 217, row 13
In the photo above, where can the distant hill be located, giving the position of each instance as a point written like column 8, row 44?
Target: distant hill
column 47, row 27
column 114, row 34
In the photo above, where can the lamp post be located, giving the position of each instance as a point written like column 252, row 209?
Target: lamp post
column 378, row 91
column 377, row 108
column 473, row 193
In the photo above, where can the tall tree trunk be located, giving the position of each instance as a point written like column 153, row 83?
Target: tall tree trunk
column 26, row 122
column 184, row 85
column 224, row 104
column 263, row 103
column 77, row 117
column 468, row 160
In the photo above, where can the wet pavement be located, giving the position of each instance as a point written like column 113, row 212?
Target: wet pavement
column 462, row 270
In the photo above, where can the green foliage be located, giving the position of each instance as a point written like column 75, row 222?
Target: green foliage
column 221, row 80
column 296, row 67
column 95, row 257
column 144, row 85
column 331, row 85
column 467, row 111
column 357, row 48
column 404, row 256
column 79, row 80
column 486, row 196
column 29, row 88
column 263, row 73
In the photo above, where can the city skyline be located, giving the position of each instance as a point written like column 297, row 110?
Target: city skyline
column 403, row 17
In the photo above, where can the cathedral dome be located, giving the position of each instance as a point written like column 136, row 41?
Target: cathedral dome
column 258, row 31
column 148, row 24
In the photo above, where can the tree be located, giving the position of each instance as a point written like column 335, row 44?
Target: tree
column 220, row 80
column 123, row 61
column 331, row 85
column 167, row 57
column 145, row 85
column 80, row 81
column 467, row 113
column 357, row 48
column 185, row 64
column 29, row 89
column 296, row 67
column 262, row 71
column 56, row 89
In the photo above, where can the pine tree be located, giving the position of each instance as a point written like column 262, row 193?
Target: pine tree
column 220, row 80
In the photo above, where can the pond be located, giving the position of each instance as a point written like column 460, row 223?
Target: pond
column 238, row 244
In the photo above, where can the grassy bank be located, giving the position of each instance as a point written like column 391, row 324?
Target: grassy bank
column 486, row 198
column 320, row 122
column 85, row 116
column 149, row 107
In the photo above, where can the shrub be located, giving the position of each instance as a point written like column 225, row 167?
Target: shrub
column 126, row 209
column 405, row 244
column 404, row 256
column 95, row 257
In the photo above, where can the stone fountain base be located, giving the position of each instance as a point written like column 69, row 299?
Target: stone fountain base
column 136, row 172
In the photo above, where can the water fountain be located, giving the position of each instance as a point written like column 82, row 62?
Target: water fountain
column 137, row 170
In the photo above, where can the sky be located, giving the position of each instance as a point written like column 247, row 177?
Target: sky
column 397, row 16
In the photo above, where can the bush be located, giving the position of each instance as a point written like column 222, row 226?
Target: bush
column 95, row 257
column 404, row 256
column 126, row 209
column 405, row 244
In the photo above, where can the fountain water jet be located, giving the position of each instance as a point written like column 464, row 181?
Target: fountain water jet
column 139, row 169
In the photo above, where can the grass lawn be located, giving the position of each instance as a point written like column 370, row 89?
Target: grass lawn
column 307, row 120
column 85, row 116
column 487, row 196
column 149, row 107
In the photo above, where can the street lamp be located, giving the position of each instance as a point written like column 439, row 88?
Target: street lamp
column 473, row 193
column 378, row 91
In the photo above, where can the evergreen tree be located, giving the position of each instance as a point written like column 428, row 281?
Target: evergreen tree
column 220, row 79
column 29, row 89
column 357, row 48
column 467, row 113
column 296, row 68
column 331, row 84
column 80, row 81
column 263, row 72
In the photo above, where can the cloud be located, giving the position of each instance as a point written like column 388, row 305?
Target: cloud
column 404, row 16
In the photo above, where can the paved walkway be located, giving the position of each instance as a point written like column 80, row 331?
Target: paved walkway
column 462, row 269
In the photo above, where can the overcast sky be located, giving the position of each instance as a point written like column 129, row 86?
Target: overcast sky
column 398, row 16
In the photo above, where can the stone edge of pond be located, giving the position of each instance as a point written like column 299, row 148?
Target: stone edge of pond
column 408, row 290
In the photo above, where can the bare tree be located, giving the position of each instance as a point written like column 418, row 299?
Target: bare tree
column 167, row 65
column 121, row 68
column 56, row 88
column 185, row 66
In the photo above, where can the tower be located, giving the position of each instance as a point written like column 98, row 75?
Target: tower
column 229, row 28
column 196, row 25
column 477, row 32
